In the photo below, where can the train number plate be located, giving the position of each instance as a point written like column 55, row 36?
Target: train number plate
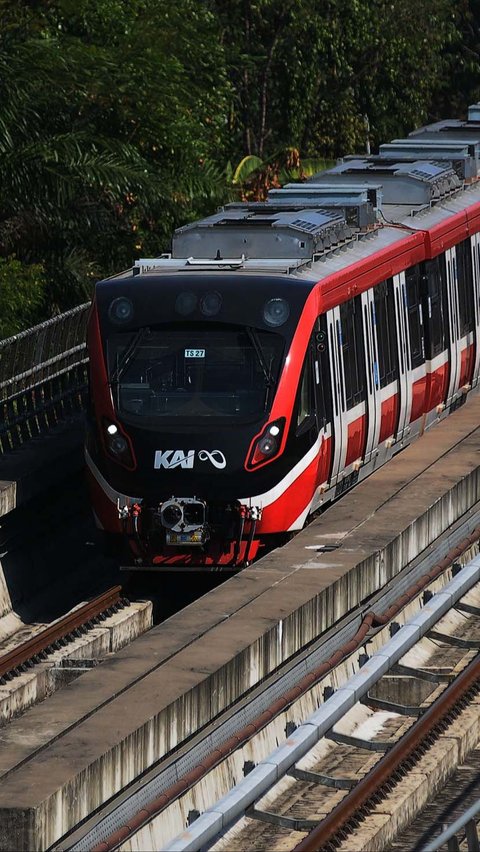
column 194, row 353
column 185, row 538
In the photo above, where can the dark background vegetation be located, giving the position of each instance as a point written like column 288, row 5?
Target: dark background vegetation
column 122, row 119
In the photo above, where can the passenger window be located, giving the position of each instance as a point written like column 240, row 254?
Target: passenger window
column 465, row 285
column 306, row 407
column 435, row 307
column 353, row 351
column 415, row 319
column 386, row 332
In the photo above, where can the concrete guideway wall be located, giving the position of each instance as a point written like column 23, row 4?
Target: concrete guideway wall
column 112, row 724
column 40, row 464
column 44, row 466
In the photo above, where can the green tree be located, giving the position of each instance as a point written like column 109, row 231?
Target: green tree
column 22, row 291
column 253, row 177
column 306, row 73
column 107, row 112
column 460, row 85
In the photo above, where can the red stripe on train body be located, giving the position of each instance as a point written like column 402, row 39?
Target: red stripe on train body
column 356, row 437
column 389, row 416
column 437, row 384
column 467, row 361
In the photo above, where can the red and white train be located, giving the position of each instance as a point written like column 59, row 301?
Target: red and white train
column 285, row 350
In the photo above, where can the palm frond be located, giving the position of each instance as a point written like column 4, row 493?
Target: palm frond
column 246, row 168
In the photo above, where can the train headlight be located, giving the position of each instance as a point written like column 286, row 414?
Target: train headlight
column 171, row 514
column 210, row 303
column 267, row 446
column 120, row 310
column 276, row 312
column 184, row 519
column 185, row 303
column 117, row 445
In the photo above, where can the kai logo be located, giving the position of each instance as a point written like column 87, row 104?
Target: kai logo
column 172, row 459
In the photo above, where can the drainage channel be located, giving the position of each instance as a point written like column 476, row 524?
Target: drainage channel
column 164, row 788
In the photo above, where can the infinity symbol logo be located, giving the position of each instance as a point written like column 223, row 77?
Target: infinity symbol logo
column 216, row 457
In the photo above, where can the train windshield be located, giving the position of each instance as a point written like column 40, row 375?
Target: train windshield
column 200, row 371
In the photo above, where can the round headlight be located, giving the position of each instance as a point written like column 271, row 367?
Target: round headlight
column 171, row 514
column 186, row 303
column 268, row 445
column 117, row 444
column 276, row 312
column 210, row 303
column 120, row 310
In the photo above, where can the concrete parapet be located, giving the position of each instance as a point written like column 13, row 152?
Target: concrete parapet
column 40, row 463
column 43, row 679
column 114, row 722
column 8, row 497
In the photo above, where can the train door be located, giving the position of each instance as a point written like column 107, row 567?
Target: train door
column 466, row 313
column 475, row 248
column 411, row 337
column 404, row 365
column 385, row 335
column 453, row 326
column 434, row 300
column 337, row 382
column 323, row 399
column 374, row 405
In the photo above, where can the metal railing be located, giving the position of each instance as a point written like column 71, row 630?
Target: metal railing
column 465, row 826
column 43, row 377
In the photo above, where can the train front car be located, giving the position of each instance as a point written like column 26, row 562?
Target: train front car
column 190, row 446
column 284, row 350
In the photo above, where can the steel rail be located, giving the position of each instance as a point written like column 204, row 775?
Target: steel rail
column 391, row 769
column 226, row 811
column 38, row 647
column 374, row 620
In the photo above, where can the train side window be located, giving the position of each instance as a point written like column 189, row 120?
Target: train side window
column 353, row 351
column 465, row 285
column 435, row 306
column 306, row 397
column 386, row 332
column 415, row 317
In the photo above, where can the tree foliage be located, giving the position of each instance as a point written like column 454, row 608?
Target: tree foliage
column 22, row 291
column 107, row 111
column 122, row 119
column 306, row 73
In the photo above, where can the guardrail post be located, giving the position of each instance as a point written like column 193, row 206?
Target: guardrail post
column 471, row 835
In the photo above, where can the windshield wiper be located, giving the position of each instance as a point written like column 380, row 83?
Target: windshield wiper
column 252, row 333
column 127, row 356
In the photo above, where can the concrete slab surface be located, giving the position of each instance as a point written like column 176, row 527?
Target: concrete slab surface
column 64, row 758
